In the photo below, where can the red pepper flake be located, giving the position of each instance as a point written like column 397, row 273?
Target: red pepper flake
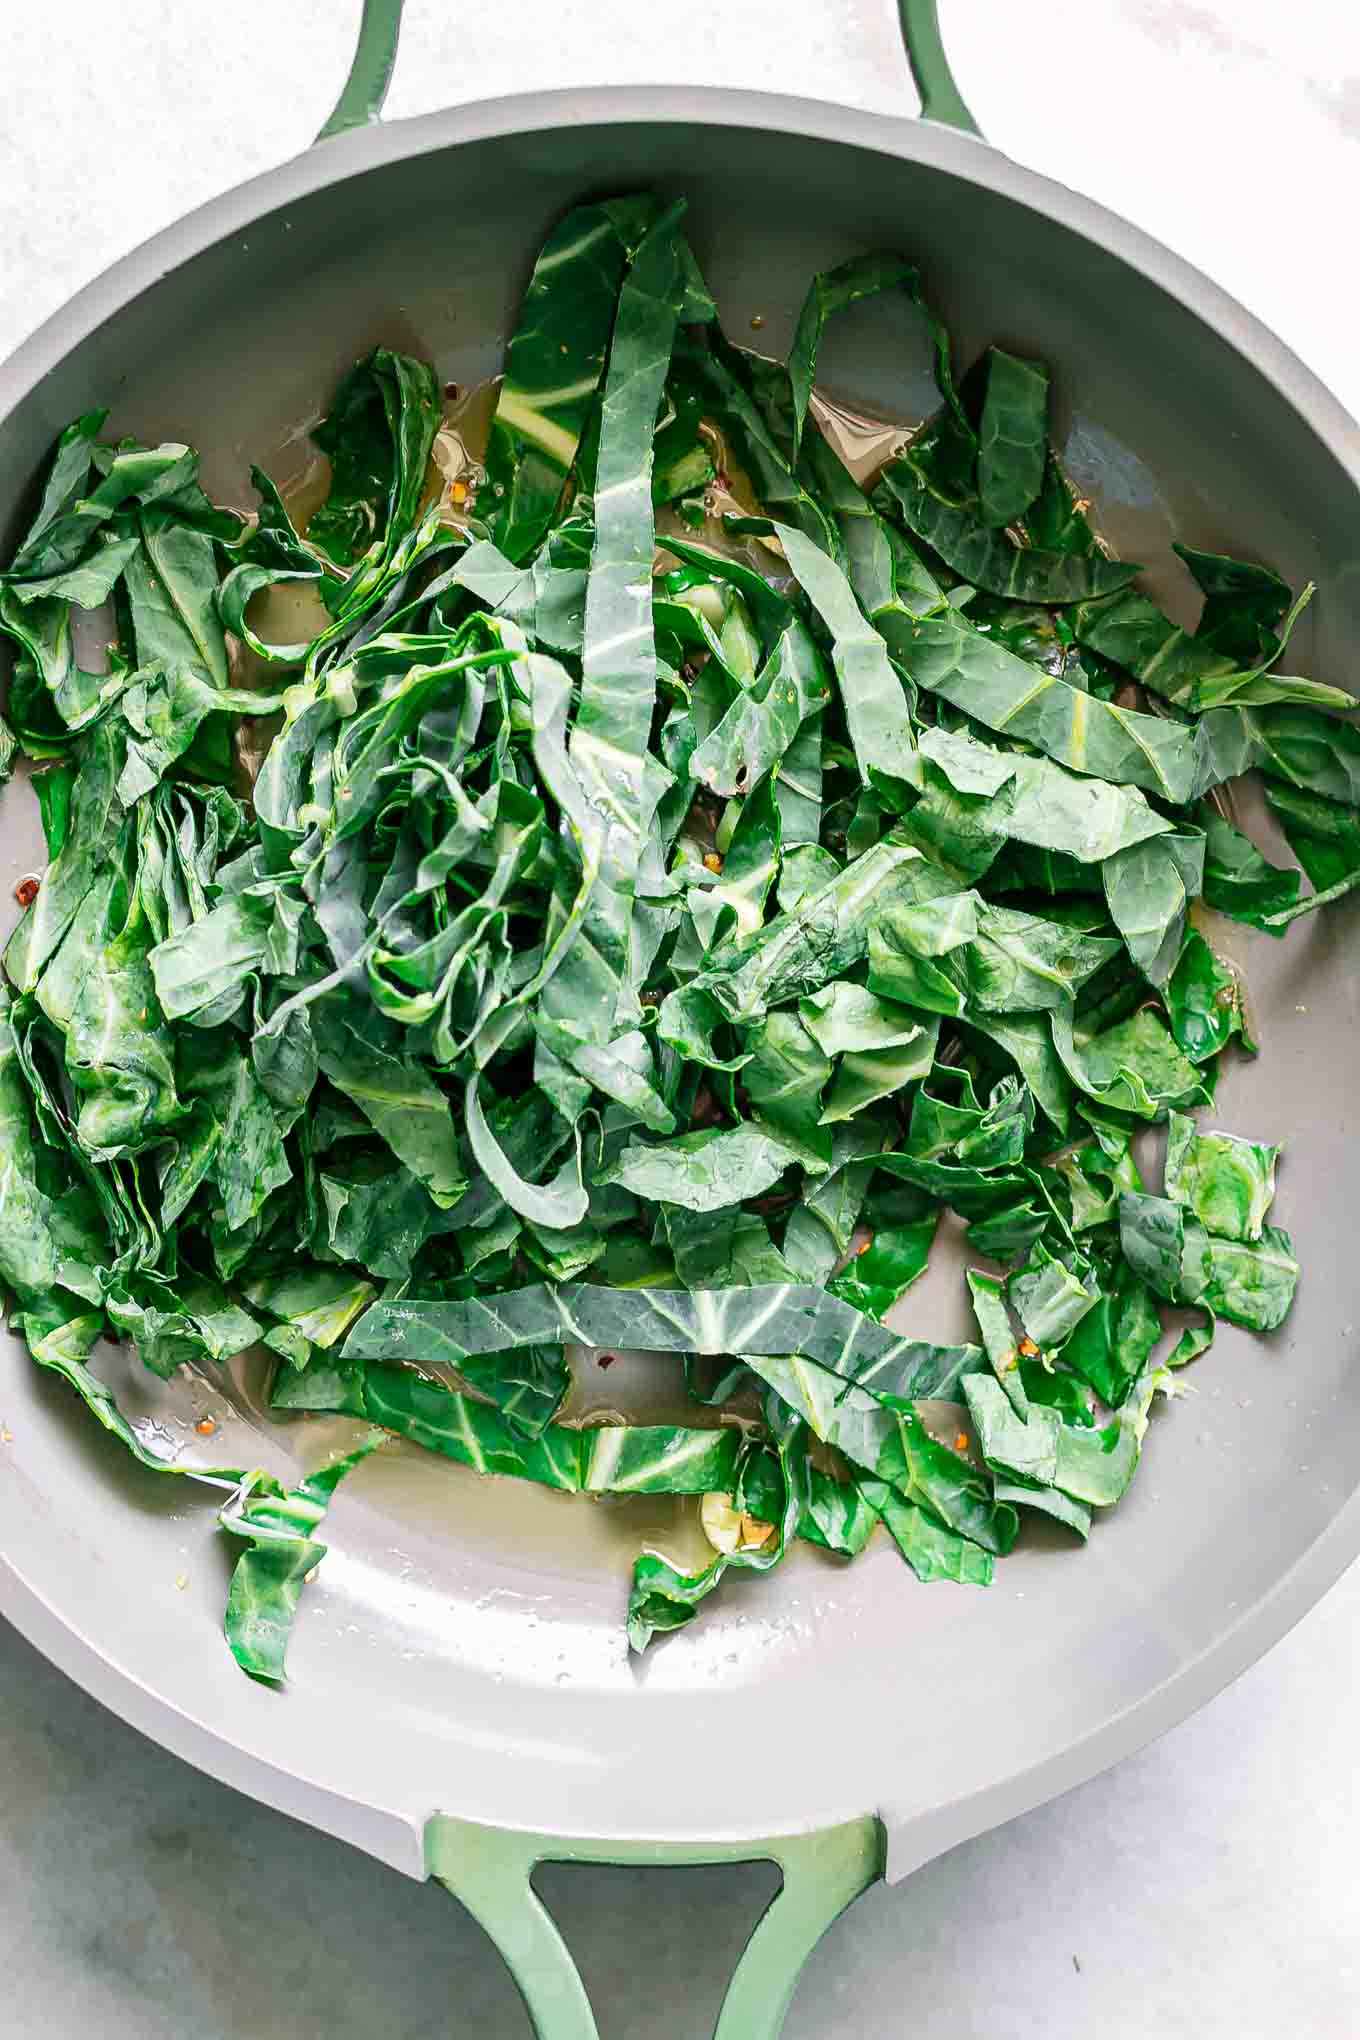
column 606, row 1359
column 864, row 1245
column 26, row 891
column 206, row 1426
column 452, row 390
column 1029, row 1349
column 961, row 1441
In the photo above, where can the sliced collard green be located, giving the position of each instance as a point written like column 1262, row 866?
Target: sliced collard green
column 1133, row 1066
column 1228, row 1182
column 642, row 926
column 553, row 368
column 1074, row 728
column 1204, row 1005
column 1012, row 437
column 860, row 277
column 1165, row 1244
column 1227, row 660
column 872, row 697
column 984, row 557
column 767, row 1318
column 1252, row 1282
column 1238, row 880
column 281, row 1554
column 1148, row 889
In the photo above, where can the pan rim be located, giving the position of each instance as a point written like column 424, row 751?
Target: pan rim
column 915, row 1833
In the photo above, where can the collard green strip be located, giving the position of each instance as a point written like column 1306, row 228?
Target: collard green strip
column 1074, row 728
column 768, row 1318
column 1228, row 1182
column 875, row 706
column 1253, row 1283
column 608, row 743
column 281, row 1556
column 1012, row 437
column 986, row 558
column 553, row 368
column 860, row 277
column 1148, row 889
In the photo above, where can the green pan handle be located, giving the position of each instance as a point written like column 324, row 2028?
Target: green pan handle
column 489, row 1870
column 370, row 74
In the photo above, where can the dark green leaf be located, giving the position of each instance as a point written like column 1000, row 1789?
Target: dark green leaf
column 1165, row 1245
column 986, row 558
column 1228, row 1182
column 1012, row 438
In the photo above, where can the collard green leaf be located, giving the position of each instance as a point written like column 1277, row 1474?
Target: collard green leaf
column 875, row 706
column 1325, row 837
column 784, row 1077
column 553, row 368
column 1228, row 658
column 1134, row 1066
column 799, row 952
column 1094, row 1181
column 377, row 434
column 704, row 1171
column 886, row 1265
column 1022, row 963
column 405, row 1108
column 762, row 1319
column 1252, row 1283
column 1148, row 889
column 1111, row 1346
column 984, row 557
column 1238, row 881
column 1096, row 1467
column 1165, row 1244
column 1228, row 1182
column 1075, row 729
column 1049, row 1298
column 85, row 852
column 608, row 743
column 933, row 1551
column 759, row 732
column 1012, row 437
column 711, row 369
column 1021, row 1448
column 282, row 1554
column 1051, row 808
column 1204, row 1002
column 860, row 277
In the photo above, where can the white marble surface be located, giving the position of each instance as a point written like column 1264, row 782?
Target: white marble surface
column 1207, row 1887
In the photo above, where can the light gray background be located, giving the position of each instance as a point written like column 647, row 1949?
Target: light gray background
column 1208, row 1887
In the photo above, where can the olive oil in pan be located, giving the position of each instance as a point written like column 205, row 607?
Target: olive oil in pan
column 864, row 440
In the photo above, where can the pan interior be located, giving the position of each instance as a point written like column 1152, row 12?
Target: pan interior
column 464, row 1645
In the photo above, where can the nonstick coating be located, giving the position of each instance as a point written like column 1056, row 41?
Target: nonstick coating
column 463, row 1649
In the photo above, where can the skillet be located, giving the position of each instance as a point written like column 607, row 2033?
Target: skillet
column 462, row 1704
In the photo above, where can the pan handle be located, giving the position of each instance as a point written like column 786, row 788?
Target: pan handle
column 489, row 1870
column 365, row 89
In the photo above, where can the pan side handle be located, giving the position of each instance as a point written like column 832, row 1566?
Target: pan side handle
column 365, row 89
column 489, row 1871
